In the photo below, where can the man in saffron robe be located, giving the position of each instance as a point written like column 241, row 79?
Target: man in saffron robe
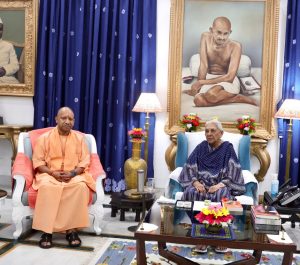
column 61, row 160
column 212, row 171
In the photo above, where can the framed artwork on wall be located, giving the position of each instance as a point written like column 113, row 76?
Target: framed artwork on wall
column 17, row 47
column 245, row 32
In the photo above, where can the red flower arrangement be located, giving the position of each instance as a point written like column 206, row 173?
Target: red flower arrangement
column 190, row 122
column 137, row 134
column 246, row 125
column 214, row 215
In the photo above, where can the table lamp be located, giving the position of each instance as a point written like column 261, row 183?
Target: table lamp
column 147, row 102
column 290, row 109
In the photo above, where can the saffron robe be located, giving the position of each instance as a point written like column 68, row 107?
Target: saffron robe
column 210, row 167
column 61, row 206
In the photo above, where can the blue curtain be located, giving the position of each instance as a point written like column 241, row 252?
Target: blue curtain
column 97, row 57
column 291, row 89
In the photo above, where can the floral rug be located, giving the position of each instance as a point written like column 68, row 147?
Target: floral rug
column 124, row 251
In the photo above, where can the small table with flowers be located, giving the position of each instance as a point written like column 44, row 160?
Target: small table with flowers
column 245, row 238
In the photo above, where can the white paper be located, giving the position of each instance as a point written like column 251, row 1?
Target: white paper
column 198, row 205
column 281, row 238
column 250, row 83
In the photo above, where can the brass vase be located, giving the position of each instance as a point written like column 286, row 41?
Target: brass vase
column 132, row 164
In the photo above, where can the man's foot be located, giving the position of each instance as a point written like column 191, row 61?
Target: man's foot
column 73, row 239
column 220, row 249
column 189, row 92
column 200, row 249
column 46, row 240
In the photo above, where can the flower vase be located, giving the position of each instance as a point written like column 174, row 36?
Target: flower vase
column 213, row 229
column 134, row 163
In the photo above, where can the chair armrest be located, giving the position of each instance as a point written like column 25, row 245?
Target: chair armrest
column 173, row 185
column 245, row 200
column 251, row 184
column 18, row 189
column 99, row 189
column 248, row 177
column 175, row 173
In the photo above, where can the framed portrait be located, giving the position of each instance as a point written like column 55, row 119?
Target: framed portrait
column 18, row 21
column 247, row 54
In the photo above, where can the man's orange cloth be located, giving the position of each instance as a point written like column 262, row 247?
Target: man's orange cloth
column 61, row 206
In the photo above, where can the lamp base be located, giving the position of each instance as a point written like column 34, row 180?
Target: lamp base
column 143, row 227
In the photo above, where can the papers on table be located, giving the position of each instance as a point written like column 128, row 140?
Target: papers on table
column 198, row 205
column 281, row 238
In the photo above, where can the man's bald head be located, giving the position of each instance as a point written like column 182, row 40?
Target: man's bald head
column 223, row 21
column 64, row 120
column 64, row 109
column 220, row 29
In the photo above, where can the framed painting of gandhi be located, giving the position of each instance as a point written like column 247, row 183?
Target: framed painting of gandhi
column 17, row 47
column 222, row 62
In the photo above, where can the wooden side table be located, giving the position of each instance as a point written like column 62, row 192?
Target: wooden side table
column 120, row 201
column 11, row 132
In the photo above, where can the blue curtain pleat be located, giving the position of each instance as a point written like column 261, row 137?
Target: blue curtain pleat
column 290, row 90
column 97, row 57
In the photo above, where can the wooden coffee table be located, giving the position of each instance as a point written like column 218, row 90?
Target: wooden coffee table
column 246, row 238
column 119, row 201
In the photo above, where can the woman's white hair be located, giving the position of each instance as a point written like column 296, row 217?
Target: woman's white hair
column 215, row 122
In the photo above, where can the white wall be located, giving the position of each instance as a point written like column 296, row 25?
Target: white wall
column 15, row 111
column 161, row 140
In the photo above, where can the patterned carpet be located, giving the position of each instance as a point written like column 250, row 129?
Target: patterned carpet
column 123, row 252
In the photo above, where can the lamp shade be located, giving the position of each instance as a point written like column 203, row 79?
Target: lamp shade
column 147, row 102
column 290, row 109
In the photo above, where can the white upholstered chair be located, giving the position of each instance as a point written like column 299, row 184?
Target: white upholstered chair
column 22, row 191
column 186, row 143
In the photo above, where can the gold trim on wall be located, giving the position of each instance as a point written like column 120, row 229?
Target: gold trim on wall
column 265, row 128
column 30, row 9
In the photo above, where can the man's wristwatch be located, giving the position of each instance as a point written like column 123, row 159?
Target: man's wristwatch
column 73, row 173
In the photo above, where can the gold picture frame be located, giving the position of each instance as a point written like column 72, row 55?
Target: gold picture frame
column 265, row 128
column 26, row 56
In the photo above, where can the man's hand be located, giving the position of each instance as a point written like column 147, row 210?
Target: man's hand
column 63, row 176
column 2, row 71
column 195, row 88
column 199, row 187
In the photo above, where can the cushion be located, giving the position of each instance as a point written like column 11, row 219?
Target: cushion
column 182, row 146
column 195, row 138
column 243, row 70
column 244, row 152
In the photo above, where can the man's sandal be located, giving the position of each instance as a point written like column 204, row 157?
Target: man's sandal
column 71, row 238
column 221, row 249
column 200, row 248
column 46, row 240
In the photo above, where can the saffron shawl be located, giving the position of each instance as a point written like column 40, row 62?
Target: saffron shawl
column 210, row 167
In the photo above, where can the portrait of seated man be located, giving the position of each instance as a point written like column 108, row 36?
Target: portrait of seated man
column 217, row 82
column 9, row 64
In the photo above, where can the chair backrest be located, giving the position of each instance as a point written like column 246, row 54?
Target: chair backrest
column 89, row 139
column 186, row 143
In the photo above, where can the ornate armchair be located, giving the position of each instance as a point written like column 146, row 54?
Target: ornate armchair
column 186, row 143
column 23, row 196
